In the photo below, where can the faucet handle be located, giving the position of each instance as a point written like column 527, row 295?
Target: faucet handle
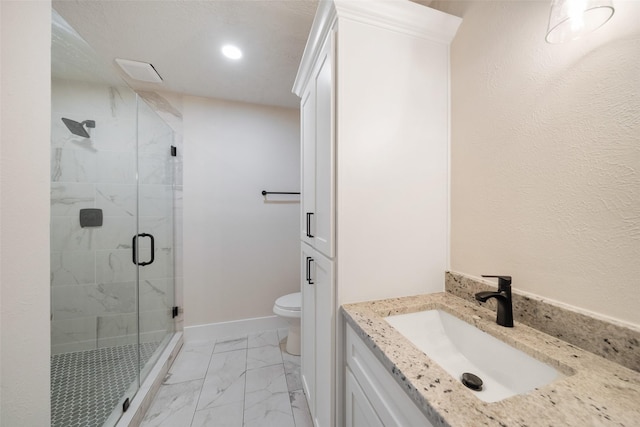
column 504, row 282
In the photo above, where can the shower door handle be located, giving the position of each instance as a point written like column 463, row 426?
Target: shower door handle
column 134, row 247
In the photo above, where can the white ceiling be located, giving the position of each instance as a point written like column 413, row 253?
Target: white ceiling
column 182, row 39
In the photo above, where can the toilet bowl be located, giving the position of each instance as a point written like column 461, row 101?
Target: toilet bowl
column 288, row 307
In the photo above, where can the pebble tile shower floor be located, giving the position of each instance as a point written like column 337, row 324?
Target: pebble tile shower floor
column 86, row 386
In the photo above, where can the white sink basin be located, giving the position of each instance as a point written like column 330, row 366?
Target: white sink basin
column 459, row 347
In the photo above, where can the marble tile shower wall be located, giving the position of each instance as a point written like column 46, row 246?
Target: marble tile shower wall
column 93, row 292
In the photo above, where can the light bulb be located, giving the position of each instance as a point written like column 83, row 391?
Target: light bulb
column 231, row 51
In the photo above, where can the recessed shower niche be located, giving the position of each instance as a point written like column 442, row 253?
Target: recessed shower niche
column 112, row 273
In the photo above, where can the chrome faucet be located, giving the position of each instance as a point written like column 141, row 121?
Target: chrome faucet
column 503, row 297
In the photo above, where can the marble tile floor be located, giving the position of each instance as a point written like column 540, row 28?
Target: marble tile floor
column 243, row 381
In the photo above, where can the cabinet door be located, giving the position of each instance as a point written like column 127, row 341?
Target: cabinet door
column 324, row 193
column 318, row 325
column 308, row 152
column 308, row 327
column 359, row 412
column 392, row 404
column 322, row 273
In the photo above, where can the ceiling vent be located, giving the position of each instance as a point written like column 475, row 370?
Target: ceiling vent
column 140, row 71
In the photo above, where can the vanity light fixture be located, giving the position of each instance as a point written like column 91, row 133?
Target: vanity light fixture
column 572, row 19
column 231, row 52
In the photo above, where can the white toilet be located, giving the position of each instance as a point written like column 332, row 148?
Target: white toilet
column 288, row 306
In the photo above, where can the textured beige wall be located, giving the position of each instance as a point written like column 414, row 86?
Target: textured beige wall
column 546, row 155
column 25, row 100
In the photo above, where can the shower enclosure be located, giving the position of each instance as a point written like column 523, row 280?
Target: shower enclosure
column 112, row 239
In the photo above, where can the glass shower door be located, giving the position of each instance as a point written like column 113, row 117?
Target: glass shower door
column 154, row 243
column 94, row 318
column 112, row 241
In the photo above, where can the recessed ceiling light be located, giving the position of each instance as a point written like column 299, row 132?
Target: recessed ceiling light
column 231, row 51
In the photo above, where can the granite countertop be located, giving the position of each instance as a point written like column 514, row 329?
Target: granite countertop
column 592, row 392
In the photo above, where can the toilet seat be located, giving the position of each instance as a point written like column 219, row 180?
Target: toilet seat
column 290, row 301
column 288, row 305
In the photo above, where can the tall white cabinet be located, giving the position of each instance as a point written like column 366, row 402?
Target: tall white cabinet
column 374, row 91
column 317, row 234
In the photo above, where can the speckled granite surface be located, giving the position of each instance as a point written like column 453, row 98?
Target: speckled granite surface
column 615, row 342
column 594, row 391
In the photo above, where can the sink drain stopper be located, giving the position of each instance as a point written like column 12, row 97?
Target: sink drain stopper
column 472, row 381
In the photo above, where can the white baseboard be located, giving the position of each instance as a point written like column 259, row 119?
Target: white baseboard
column 214, row 331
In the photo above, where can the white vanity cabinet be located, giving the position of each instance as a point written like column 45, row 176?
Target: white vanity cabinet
column 374, row 91
column 373, row 397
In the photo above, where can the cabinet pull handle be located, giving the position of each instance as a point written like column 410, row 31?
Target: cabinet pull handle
column 309, row 224
column 309, row 260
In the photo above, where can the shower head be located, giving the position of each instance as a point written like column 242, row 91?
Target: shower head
column 78, row 128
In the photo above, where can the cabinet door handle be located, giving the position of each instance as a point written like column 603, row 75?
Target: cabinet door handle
column 309, row 260
column 309, row 224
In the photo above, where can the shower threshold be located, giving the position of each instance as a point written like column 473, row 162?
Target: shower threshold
column 150, row 386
